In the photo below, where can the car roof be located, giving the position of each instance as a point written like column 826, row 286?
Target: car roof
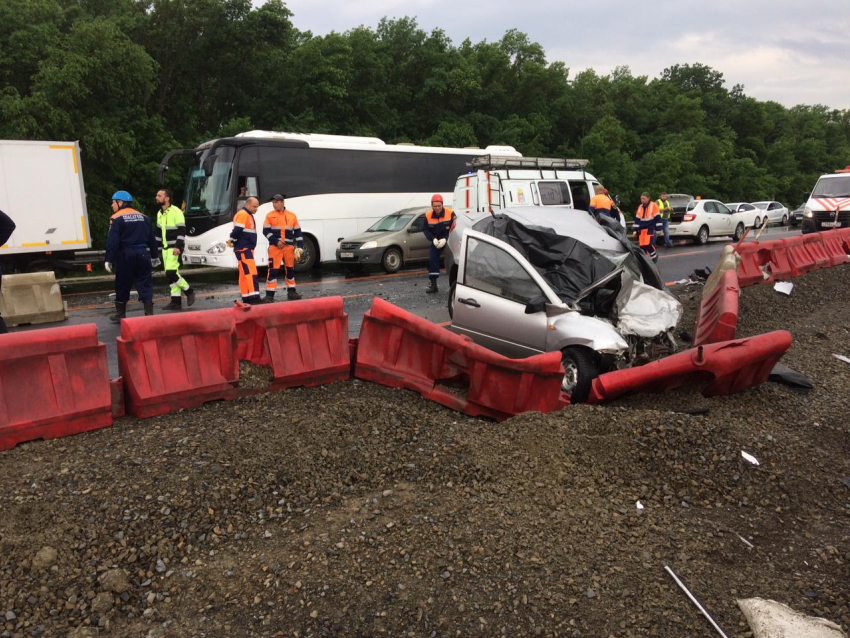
column 735, row 203
column 765, row 201
column 566, row 221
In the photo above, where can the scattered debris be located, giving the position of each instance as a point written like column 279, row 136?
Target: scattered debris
column 846, row 481
column 783, row 374
column 750, row 458
column 639, row 505
column 695, row 601
column 770, row 619
column 785, row 287
column 744, row 540
column 701, row 274
column 841, row 357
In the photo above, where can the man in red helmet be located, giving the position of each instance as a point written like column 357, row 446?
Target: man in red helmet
column 439, row 222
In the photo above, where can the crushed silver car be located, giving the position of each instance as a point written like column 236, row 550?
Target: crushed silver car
column 535, row 280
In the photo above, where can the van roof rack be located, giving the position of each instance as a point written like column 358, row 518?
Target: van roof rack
column 495, row 162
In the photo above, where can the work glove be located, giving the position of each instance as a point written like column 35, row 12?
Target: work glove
column 440, row 244
column 436, row 242
column 298, row 253
column 108, row 267
column 156, row 262
column 229, row 243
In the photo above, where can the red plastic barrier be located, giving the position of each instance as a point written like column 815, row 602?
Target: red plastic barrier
column 717, row 317
column 834, row 245
column 754, row 256
column 799, row 260
column 171, row 362
column 304, row 342
column 401, row 350
column 844, row 234
column 53, row 382
column 817, row 251
column 721, row 368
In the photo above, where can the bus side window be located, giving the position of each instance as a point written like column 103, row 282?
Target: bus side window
column 248, row 187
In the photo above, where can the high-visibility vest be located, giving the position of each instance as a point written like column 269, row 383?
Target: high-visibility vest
column 665, row 207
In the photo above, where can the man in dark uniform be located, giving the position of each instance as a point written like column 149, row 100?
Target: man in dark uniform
column 7, row 227
column 439, row 222
column 129, row 248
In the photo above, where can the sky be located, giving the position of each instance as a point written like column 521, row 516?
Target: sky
column 789, row 51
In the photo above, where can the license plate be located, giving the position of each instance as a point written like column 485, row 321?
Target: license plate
column 347, row 255
column 831, row 224
column 194, row 260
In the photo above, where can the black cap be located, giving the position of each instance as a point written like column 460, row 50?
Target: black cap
column 277, row 197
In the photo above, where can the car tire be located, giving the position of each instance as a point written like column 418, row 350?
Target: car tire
column 757, row 223
column 581, row 367
column 451, row 302
column 739, row 231
column 309, row 257
column 785, row 220
column 391, row 261
column 702, row 236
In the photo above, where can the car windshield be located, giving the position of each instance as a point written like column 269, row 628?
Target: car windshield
column 210, row 195
column 833, row 187
column 390, row 222
column 761, row 205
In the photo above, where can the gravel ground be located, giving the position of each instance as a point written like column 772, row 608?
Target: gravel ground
column 357, row 510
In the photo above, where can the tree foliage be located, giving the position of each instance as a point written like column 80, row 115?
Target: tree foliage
column 132, row 79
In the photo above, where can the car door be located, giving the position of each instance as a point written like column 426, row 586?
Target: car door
column 710, row 218
column 726, row 219
column 494, row 286
column 774, row 211
column 418, row 244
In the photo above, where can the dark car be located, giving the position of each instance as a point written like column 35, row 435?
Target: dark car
column 796, row 216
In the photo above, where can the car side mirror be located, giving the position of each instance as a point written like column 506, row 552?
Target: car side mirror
column 617, row 199
column 553, row 310
column 538, row 304
column 412, row 229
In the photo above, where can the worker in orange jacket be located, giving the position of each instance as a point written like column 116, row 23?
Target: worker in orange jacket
column 646, row 217
column 243, row 239
column 286, row 244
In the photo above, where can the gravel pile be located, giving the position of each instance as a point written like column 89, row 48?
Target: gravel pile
column 357, row 510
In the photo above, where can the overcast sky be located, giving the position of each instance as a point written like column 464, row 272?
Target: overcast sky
column 790, row 51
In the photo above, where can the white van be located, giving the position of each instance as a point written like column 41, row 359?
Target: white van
column 828, row 205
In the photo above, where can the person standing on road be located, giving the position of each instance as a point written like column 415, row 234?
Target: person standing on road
column 171, row 238
column 7, row 227
column 286, row 244
column 646, row 218
column 601, row 204
column 131, row 249
column 664, row 209
column 243, row 239
column 439, row 222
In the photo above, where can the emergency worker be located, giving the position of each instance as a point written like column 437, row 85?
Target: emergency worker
column 601, row 204
column 665, row 208
column 286, row 244
column 131, row 251
column 439, row 222
column 243, row 239
column 171, row 238
column 646, row 217
column 7, row 227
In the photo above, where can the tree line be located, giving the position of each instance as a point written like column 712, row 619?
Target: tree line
column 132, row 79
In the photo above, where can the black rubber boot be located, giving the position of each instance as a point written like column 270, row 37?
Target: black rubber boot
column 292, row 294
column 190, row 297
column 269, row 298
column 148, row 308
column 176, row 304
column 432, row 287
column 120, row 312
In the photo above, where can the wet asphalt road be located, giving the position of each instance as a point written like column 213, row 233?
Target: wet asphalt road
column 405, row 289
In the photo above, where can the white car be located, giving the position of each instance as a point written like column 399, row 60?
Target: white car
column 704, row 218
column 776, row 213
column 751, row 215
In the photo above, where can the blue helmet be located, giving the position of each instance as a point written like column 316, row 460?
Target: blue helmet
column 123, row 196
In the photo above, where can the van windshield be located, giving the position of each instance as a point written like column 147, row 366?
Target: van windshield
column 390, row 222
column 833, row 187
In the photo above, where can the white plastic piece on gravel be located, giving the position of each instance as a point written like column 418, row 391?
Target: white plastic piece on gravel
column 750, row 458
column 785, row 287
column 841, row 357
column 770, row 619
column 639, row 505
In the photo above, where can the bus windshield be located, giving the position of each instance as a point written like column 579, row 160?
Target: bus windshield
column 390, row 222
column 211, row 195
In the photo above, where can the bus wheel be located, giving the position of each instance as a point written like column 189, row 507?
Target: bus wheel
column 309, row 257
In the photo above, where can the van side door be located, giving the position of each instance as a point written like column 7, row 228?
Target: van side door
column 490, row 194
column 466, row 194
column 580, row 193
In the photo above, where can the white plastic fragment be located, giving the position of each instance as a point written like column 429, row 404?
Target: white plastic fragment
column 770, row 619
column 750, row 458
column 745, row 541
column 785, row 287
column 841, row 357
column 639, row 505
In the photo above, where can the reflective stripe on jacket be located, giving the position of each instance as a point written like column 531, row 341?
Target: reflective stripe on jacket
column 171, row 227
column 439, row 227
column 244, row 233
column 283, row 224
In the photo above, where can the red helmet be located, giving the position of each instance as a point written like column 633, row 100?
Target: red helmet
column 437, row 198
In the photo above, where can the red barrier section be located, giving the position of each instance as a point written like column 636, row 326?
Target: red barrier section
column 754, row 256
column 844, row 234
column 799, row 258
column 717, row 317
column 834, row 246
column 401, row 350
column 53, row 382
column 171, row 362
column 722, row 368
column 304, row 342
column 817, row 251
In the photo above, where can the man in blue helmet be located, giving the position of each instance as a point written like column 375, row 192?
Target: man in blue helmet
column 131, row 250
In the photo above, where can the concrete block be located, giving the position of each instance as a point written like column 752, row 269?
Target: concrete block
column 31, row 298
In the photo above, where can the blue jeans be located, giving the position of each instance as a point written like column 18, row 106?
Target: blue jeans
column 666, row 223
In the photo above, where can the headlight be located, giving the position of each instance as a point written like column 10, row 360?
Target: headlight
column 808, row 212
column 217, row 248
column 369, row 244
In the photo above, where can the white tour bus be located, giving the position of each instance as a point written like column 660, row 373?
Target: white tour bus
column 336, row 185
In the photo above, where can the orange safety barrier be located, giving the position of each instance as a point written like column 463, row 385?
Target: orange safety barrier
column 792, row 254
column 817, row 251
column 53, row 383
column 834, row 247
column 717, row 316
column 170, row 362
column 754, row 257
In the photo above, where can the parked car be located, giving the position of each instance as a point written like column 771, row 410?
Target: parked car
column 776, row 212
column 828, row 205
column 704, row 218
column 392, row 241
column 751, row 215
column 796, row 216
column 533, row 279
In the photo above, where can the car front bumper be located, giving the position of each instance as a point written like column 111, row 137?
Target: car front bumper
column 360, row 256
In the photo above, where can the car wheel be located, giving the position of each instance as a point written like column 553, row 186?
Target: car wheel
column 451, row 302
column 702, row 236
column 757, row 223
column 391, row 260
column 739, row 232
column 785, row 220
column 308, row 257
column 581, row 367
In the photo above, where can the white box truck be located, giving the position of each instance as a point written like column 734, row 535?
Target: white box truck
column 41, row 189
